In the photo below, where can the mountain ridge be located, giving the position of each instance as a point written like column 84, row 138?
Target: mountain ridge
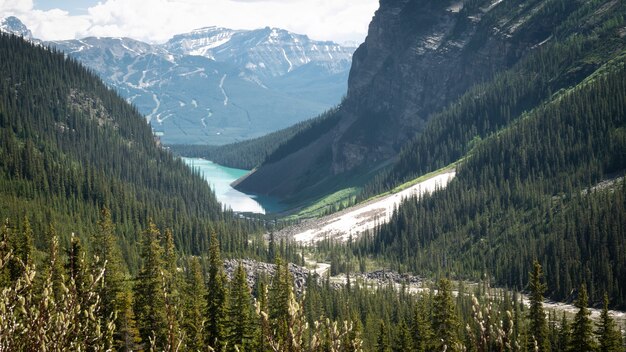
column 216, row 85
column 418, row 58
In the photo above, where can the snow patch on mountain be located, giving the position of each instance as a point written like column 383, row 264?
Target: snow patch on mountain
column 223, row 91
column 13, row 25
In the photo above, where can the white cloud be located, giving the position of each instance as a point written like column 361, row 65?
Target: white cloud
column 158, row 20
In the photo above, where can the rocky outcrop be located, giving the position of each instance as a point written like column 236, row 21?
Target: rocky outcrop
column 255, row 268
column 419, row 56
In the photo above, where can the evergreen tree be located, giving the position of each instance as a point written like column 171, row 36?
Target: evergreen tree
column 115, row 292
column 609, row 335
column 445, row 321
column 403, row 341
column 76, row 268
column 171, row 284
column 382, row 341
column 150, row 307
column 126, row 333
column 421, row 329
column 239, row 309
column 582, row 327
column 22, row 243
column 194, row 306
column 538, row 328
column 279, row 298
column 564, row 335
column 216, row 298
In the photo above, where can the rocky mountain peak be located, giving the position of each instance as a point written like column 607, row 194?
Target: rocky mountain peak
column 13, row 25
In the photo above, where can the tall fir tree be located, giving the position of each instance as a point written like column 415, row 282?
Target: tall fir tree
column 214, row 330
column 609, row 335
column 239, row 312
column 279, row 297
column 171, row 283
column 382, row 341
column 564, row 335
column 115, row 290
column 538, row 325
column 150, row 308
column 22, row 244
column 582, row 328
column 403, row 340
column 194, row 306
column 445, row 321
column 421, row 328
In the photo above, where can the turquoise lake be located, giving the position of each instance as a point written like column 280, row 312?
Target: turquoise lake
column 220, row 177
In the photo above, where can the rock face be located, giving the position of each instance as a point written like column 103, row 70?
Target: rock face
column 218, row 85
column 255, row 268
column 418, row 57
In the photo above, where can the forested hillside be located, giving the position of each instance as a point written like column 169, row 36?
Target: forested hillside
column 70, row 146
column 251, row 153
column 569, row 57
column 549, row 187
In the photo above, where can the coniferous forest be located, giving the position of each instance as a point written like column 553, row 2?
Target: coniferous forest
column 108, row 242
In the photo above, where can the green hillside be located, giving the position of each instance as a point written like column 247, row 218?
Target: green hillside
column 70, row 146
column 549, row 187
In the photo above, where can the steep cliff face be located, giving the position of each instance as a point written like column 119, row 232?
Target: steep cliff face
column 418, row 57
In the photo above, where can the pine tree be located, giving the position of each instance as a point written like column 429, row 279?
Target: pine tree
column 421, row 329
column 216, row 298
column 22, row 243
column 279, row 297
column 382, row 341
column 239, row 308
column 115, row 292
column 126, row 332
column 171, row 283
column 194, row 306
column 445, row 320
column 582, row 328
column 403, row 340
column 609, row 336
column 538, row 329
column 76, row 268
column 150, row 309
column 564, row 335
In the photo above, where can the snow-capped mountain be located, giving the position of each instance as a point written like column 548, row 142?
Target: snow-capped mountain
column 13, row 25
column 217, row 85
column 268, row 51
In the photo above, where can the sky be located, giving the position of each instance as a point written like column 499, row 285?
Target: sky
column 155, row 21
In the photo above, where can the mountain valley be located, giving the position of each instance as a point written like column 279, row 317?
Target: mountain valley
column 467, row 194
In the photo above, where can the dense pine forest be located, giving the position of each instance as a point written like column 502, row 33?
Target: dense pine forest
column 71, row 146
column 531, row 191
column 540, row 173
